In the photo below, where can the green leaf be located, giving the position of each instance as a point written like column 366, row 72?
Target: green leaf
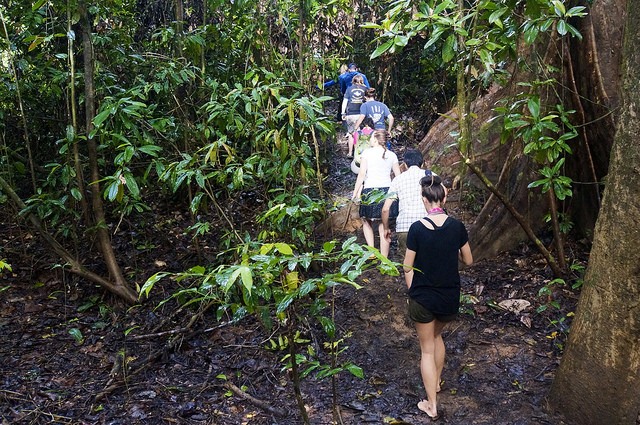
column 200, row 180
column 559, row 7
column 129, row 330
column 197, row 270
column 400, row 40
column 328, row 247
column 574, row 31
column 35, row 43
column 99, row 119
column 71, row 133
column 285, row 302
column 112, row 190
column 382, row 49
column 151, row 150
column 370, row 25
column 355, row 370
column 448, row 51
column 530, row 34
column 247, row 278
column 132, row 185
column 562, row 27
column 76, row 194
column 576, row 11
column 284, row 248
column 328, row 326
column 509, row 125
column 534, row 106
column 494, row 18
column 473, row 42
column 37, row 5
column 77, row 335
column 148, row 285
column 435, row 36
column 4, row 265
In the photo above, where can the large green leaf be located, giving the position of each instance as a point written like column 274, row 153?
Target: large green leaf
column 382, row 49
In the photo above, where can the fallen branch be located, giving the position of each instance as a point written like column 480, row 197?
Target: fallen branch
column 551, row 262
column 255, row 401
column 348, row 216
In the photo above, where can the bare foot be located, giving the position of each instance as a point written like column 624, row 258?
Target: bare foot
column 432, row 413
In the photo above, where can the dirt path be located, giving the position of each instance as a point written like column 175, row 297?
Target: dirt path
column 61, row 343
column 497, row 372
column 499, row 365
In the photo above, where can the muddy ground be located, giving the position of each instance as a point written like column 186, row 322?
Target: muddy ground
column 63, row 343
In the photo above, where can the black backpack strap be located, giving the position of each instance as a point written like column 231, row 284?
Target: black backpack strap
column 435, row 226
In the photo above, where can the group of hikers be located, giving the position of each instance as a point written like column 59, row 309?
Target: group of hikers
column 433, row 242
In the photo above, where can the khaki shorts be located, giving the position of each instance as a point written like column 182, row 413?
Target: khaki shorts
column 351, row 121
column 402, row 243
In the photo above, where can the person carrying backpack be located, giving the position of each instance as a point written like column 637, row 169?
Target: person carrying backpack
column 353, row 100
column 375, row 111
column 361, row 142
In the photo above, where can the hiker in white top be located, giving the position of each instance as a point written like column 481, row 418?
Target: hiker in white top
column 374, row 179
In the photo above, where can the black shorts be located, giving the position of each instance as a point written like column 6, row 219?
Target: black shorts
column 419, row 314
column 370, row 207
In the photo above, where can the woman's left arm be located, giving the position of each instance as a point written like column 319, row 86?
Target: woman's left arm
column 357, row 189
column 465, row 254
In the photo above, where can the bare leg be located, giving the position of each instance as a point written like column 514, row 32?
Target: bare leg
column 384, row 243
column 367, row 229
column 350, row 143
column 439, row 356
column 428, row 366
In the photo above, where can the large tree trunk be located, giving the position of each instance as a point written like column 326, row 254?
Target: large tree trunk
column 494, row 229
column 590, row 80
column 598, row 381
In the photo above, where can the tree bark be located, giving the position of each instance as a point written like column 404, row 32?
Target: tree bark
column 592, row 81
column 599, row 377
column 591, row 84
column 495, row 229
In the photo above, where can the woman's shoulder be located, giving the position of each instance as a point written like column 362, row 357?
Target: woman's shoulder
column 454, row 222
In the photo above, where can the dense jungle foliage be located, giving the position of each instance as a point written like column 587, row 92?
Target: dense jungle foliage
column 114, row 109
